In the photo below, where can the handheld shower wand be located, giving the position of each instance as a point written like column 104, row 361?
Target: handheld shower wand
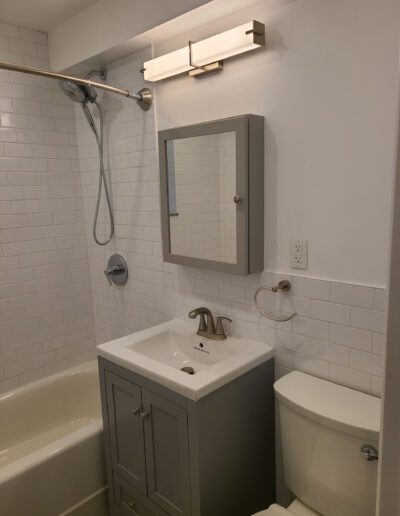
column 84, row 94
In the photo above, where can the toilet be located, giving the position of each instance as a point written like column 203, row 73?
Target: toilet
column 329, row 437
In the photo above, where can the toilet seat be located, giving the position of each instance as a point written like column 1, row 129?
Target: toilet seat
column 295, row 509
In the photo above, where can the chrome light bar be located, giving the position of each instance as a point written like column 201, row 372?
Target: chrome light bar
column 205, row 56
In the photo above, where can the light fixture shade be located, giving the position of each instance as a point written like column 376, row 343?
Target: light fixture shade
column 167, row 65
column 198, row 54
column 229, row 43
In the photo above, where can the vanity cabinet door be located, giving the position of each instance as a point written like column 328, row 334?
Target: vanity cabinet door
column 125, row 419
column 126, row 500
column 167, row 452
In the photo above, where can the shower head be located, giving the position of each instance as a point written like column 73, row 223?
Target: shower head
column 81, row 92
column 78, row 92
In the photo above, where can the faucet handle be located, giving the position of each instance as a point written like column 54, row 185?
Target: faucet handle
column 219, row 330
column 117, row 270
column 107, row 274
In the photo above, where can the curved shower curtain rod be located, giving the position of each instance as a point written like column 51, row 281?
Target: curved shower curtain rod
column 144, row 97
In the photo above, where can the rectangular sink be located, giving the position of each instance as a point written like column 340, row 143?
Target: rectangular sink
column 178, row 350
column 172, row 355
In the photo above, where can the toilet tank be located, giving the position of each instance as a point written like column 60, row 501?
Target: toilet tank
column 323, row 427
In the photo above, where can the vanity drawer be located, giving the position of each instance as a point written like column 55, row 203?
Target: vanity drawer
column 129, row 502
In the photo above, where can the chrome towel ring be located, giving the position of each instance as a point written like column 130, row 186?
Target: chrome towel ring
column 283, row 286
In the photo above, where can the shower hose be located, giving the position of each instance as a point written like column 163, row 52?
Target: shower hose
column 102, row 175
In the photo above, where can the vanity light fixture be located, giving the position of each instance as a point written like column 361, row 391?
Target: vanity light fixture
column 205, row 56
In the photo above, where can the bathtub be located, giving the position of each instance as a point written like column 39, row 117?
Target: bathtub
column 51, row 449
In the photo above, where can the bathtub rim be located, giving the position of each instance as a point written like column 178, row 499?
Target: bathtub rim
column 59, row 446
column 90, row 366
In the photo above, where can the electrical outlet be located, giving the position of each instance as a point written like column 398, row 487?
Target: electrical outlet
column 299, row 254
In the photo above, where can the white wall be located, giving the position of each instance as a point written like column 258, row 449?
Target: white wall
column 46, row 311
column 108, row 24
column 326, row 85
column 338, row 332
column 389, row 463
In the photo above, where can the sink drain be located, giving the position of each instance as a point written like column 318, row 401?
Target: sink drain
column 188, row 370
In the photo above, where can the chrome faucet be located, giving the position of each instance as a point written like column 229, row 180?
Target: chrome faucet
column 207, row 327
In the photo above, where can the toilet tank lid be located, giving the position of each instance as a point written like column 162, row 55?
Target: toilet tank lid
column 330, row 404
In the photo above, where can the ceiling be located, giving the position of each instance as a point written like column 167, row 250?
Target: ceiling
column 42, row 15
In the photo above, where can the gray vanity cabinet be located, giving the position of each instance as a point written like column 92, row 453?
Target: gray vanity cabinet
column 147, row 430
column 126, row 430
column 125, row 500
column 168, row 455
column 167, row 452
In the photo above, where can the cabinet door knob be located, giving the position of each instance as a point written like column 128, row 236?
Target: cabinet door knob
column 237, row 199
column 132, row 508
column 144, row 415
column 136, row 411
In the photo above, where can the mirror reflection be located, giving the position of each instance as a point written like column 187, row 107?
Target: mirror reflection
column 201, row 188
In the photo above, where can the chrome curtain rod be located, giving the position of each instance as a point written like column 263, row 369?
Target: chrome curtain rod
column 143, row 97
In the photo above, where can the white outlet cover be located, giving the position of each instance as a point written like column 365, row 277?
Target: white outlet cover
column 299, row 254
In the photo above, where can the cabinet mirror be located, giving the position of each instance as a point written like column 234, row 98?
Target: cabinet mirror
column 212, row 194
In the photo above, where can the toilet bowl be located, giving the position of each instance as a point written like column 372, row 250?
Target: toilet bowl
column 327, row 432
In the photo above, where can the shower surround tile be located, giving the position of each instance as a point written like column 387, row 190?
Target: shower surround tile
column 46, row 311
column 333, row 335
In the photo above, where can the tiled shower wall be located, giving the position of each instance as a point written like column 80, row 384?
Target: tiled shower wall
column 338, row 332
column 46, row 313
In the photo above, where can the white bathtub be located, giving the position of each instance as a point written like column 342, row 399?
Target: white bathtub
column 51, row 449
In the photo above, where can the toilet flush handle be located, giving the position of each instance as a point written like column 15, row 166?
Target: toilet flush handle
column 369, row 452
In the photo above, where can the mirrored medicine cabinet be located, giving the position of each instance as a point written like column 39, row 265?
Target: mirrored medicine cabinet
column 212, row 194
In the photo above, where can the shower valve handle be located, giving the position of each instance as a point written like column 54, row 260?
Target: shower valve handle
column 117, row 270
column 114, row 270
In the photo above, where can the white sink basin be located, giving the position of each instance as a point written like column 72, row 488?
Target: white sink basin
column 160, row 353
column 179, row 350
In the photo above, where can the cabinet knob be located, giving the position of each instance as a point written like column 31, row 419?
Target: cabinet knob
column 144, row 415
column 136, row 411
column 237, row 199
column 132, row 508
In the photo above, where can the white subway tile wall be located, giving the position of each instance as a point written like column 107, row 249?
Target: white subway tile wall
column 55, row 302
column 46, row 310
column 338, row 334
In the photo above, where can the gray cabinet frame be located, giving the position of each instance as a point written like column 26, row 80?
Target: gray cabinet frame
column 172, row 430
column 127, row 453
column 230, row 446
column 249, row 131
